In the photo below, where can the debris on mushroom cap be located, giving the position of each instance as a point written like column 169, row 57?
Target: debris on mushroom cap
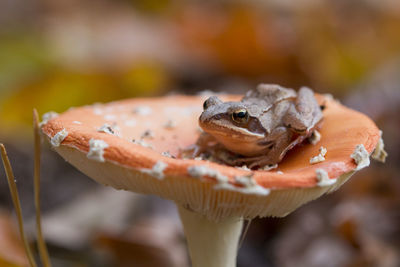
column 323, row 178
column 59, row 137
column 97, row 110
column 320, row 157
column 157, row 170
column 269, row 167
column 246, row 181
column 96, row 149
column 244, row 167
column 361, row 157
column 249, row 186
column 48, row 116
column 166, row 154
column 315, row 137
column 77, row 122
column 142, row 110
column 330, row 97
column 110, row 117
column 106, row 128
column 379, row 153
column 200, row 171
column 130, row 123
column 170, row 124
column 147, row 134
column 142, row 143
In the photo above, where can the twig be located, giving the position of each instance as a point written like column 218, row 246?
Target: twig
column 244, row 233
column 17, row 204
column 44, row 254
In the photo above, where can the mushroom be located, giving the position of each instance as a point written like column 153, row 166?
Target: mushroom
column 212, row 199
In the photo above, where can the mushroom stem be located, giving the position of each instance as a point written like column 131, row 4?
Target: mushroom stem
column 211, row 244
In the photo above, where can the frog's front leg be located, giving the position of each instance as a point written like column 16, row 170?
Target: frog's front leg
column 276, row 145
column 304, row 114
column 203, row 143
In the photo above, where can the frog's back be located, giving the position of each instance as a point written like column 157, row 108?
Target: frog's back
column 270, row 93
column 269, row 102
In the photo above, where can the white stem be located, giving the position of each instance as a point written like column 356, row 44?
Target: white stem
column 211, row 244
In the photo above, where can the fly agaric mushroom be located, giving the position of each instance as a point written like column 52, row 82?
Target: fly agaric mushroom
column 139, row 153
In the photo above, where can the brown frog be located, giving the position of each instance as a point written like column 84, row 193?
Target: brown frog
column 262, row 127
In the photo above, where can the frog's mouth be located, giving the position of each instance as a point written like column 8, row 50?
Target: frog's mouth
column 236, row 139
column 230, row 132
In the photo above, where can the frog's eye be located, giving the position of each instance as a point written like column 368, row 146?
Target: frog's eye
column 240, row 115
column 206, row 104
column 213, row 100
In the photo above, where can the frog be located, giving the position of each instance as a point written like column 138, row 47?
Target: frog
column 262, row 127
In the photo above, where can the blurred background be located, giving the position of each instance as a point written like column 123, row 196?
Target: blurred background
column 55, row 54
